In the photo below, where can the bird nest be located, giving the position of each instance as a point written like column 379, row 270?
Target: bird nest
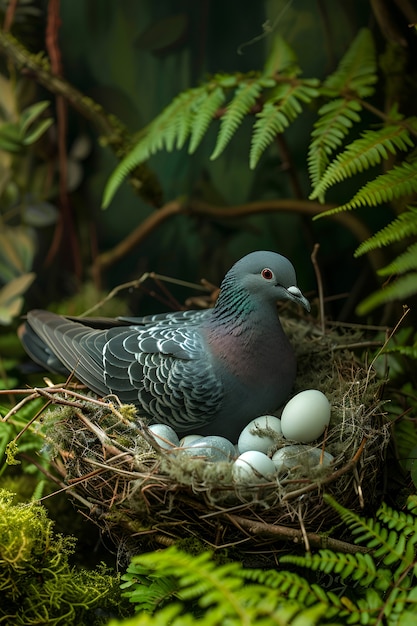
column 108, row 460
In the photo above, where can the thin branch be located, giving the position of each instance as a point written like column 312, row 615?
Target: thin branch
column 319, row 285
column 198, row 208
column 285, row 533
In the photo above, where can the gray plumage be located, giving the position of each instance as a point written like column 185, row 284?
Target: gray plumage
column 207, row 372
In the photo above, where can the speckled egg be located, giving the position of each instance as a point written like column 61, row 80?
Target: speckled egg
column 253, row 467
column 189, row 439
column 306, row 416
column 165, row 436
column 260, row 434
column 212, row 447
column 288, row 457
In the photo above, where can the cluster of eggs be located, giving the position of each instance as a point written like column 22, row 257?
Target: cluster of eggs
column 303, row 420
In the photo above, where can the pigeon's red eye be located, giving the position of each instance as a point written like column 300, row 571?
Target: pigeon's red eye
column 267, row 273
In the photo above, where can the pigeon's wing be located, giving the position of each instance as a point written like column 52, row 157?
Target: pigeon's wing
column 65, row 346
column 167, row 371
column 173, row 318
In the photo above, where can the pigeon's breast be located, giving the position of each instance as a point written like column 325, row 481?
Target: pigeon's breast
column 259, row 361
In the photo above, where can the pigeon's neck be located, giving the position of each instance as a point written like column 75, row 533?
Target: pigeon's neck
column 246, row 339
column 237, row 310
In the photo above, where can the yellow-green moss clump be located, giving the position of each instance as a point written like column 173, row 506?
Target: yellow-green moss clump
column 38, row 585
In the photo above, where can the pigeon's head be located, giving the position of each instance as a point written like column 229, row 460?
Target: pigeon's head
column 268, row 276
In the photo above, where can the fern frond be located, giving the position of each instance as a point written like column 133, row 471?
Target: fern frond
column 403, row 263
column 399, row 181
column 405, row 225
column 369, row 150
column 358, row 567
column 401, row 521
column 336, row 118
column 281, row 59
column 204, row 115
column 277, row 113
column 230, row 594
column 356, row 71
column 170, row 129
column 379, row 534
column 294, row 587
column 400, row 289
column 244, row 99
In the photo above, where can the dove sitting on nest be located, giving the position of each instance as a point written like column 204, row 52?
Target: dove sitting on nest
column 209, row 371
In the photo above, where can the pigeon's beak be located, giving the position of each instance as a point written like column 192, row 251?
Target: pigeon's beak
column 295, row 294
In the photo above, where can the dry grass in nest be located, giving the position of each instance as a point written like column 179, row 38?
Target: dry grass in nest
column 109, row 462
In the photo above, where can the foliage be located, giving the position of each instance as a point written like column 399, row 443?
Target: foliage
column 277, row 92
column 16, row 135
column 19, row 132
column 275, row 98
column 367, row 587
column 38, row 584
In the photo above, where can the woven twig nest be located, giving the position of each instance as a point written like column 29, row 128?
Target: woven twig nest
column 131, row 487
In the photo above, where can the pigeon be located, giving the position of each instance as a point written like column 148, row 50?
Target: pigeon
column 205, row 371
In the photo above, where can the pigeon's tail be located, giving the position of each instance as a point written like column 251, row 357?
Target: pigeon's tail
column 39, row 352
column 64, row 346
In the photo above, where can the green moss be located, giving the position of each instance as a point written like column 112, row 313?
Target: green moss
column 38, row 584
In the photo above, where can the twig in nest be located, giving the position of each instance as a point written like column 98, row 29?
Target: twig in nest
column 343, row 470
column 319, row 285
column 270, row 531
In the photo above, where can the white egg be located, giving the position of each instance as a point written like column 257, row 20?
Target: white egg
column 213, row 448
column 253, row 467
column 254, row 437
column 288, row 457
column 305, row 417
column 188, row 439
column 165, row 436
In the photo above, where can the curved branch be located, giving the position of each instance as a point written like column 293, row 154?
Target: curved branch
column 198, row 208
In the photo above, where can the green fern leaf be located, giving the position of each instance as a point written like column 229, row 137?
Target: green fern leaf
column 386, row 543
column 356, row 71
column 369, row 150
column 404, row 263
column 204, row 115
column 245, row 97
column 358, row 567
column 405, row 225
column 168, row 130
column 409, row 351
column 277, row 114
column 281, row 59
column 399, row 181
column 400, row 289
column 336, row 118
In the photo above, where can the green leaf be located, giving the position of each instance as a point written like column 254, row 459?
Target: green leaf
column 403, row 263
column 363, row 153
column 37, row 131
column 399, row 181
column 405, row 225
column 335, row 120
column 400, row 290
column 277, row 113
column 356, row 71
column 10, row 137
column 204, row 115
column 244, row 99
column 281, row 59
column 30, row 114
